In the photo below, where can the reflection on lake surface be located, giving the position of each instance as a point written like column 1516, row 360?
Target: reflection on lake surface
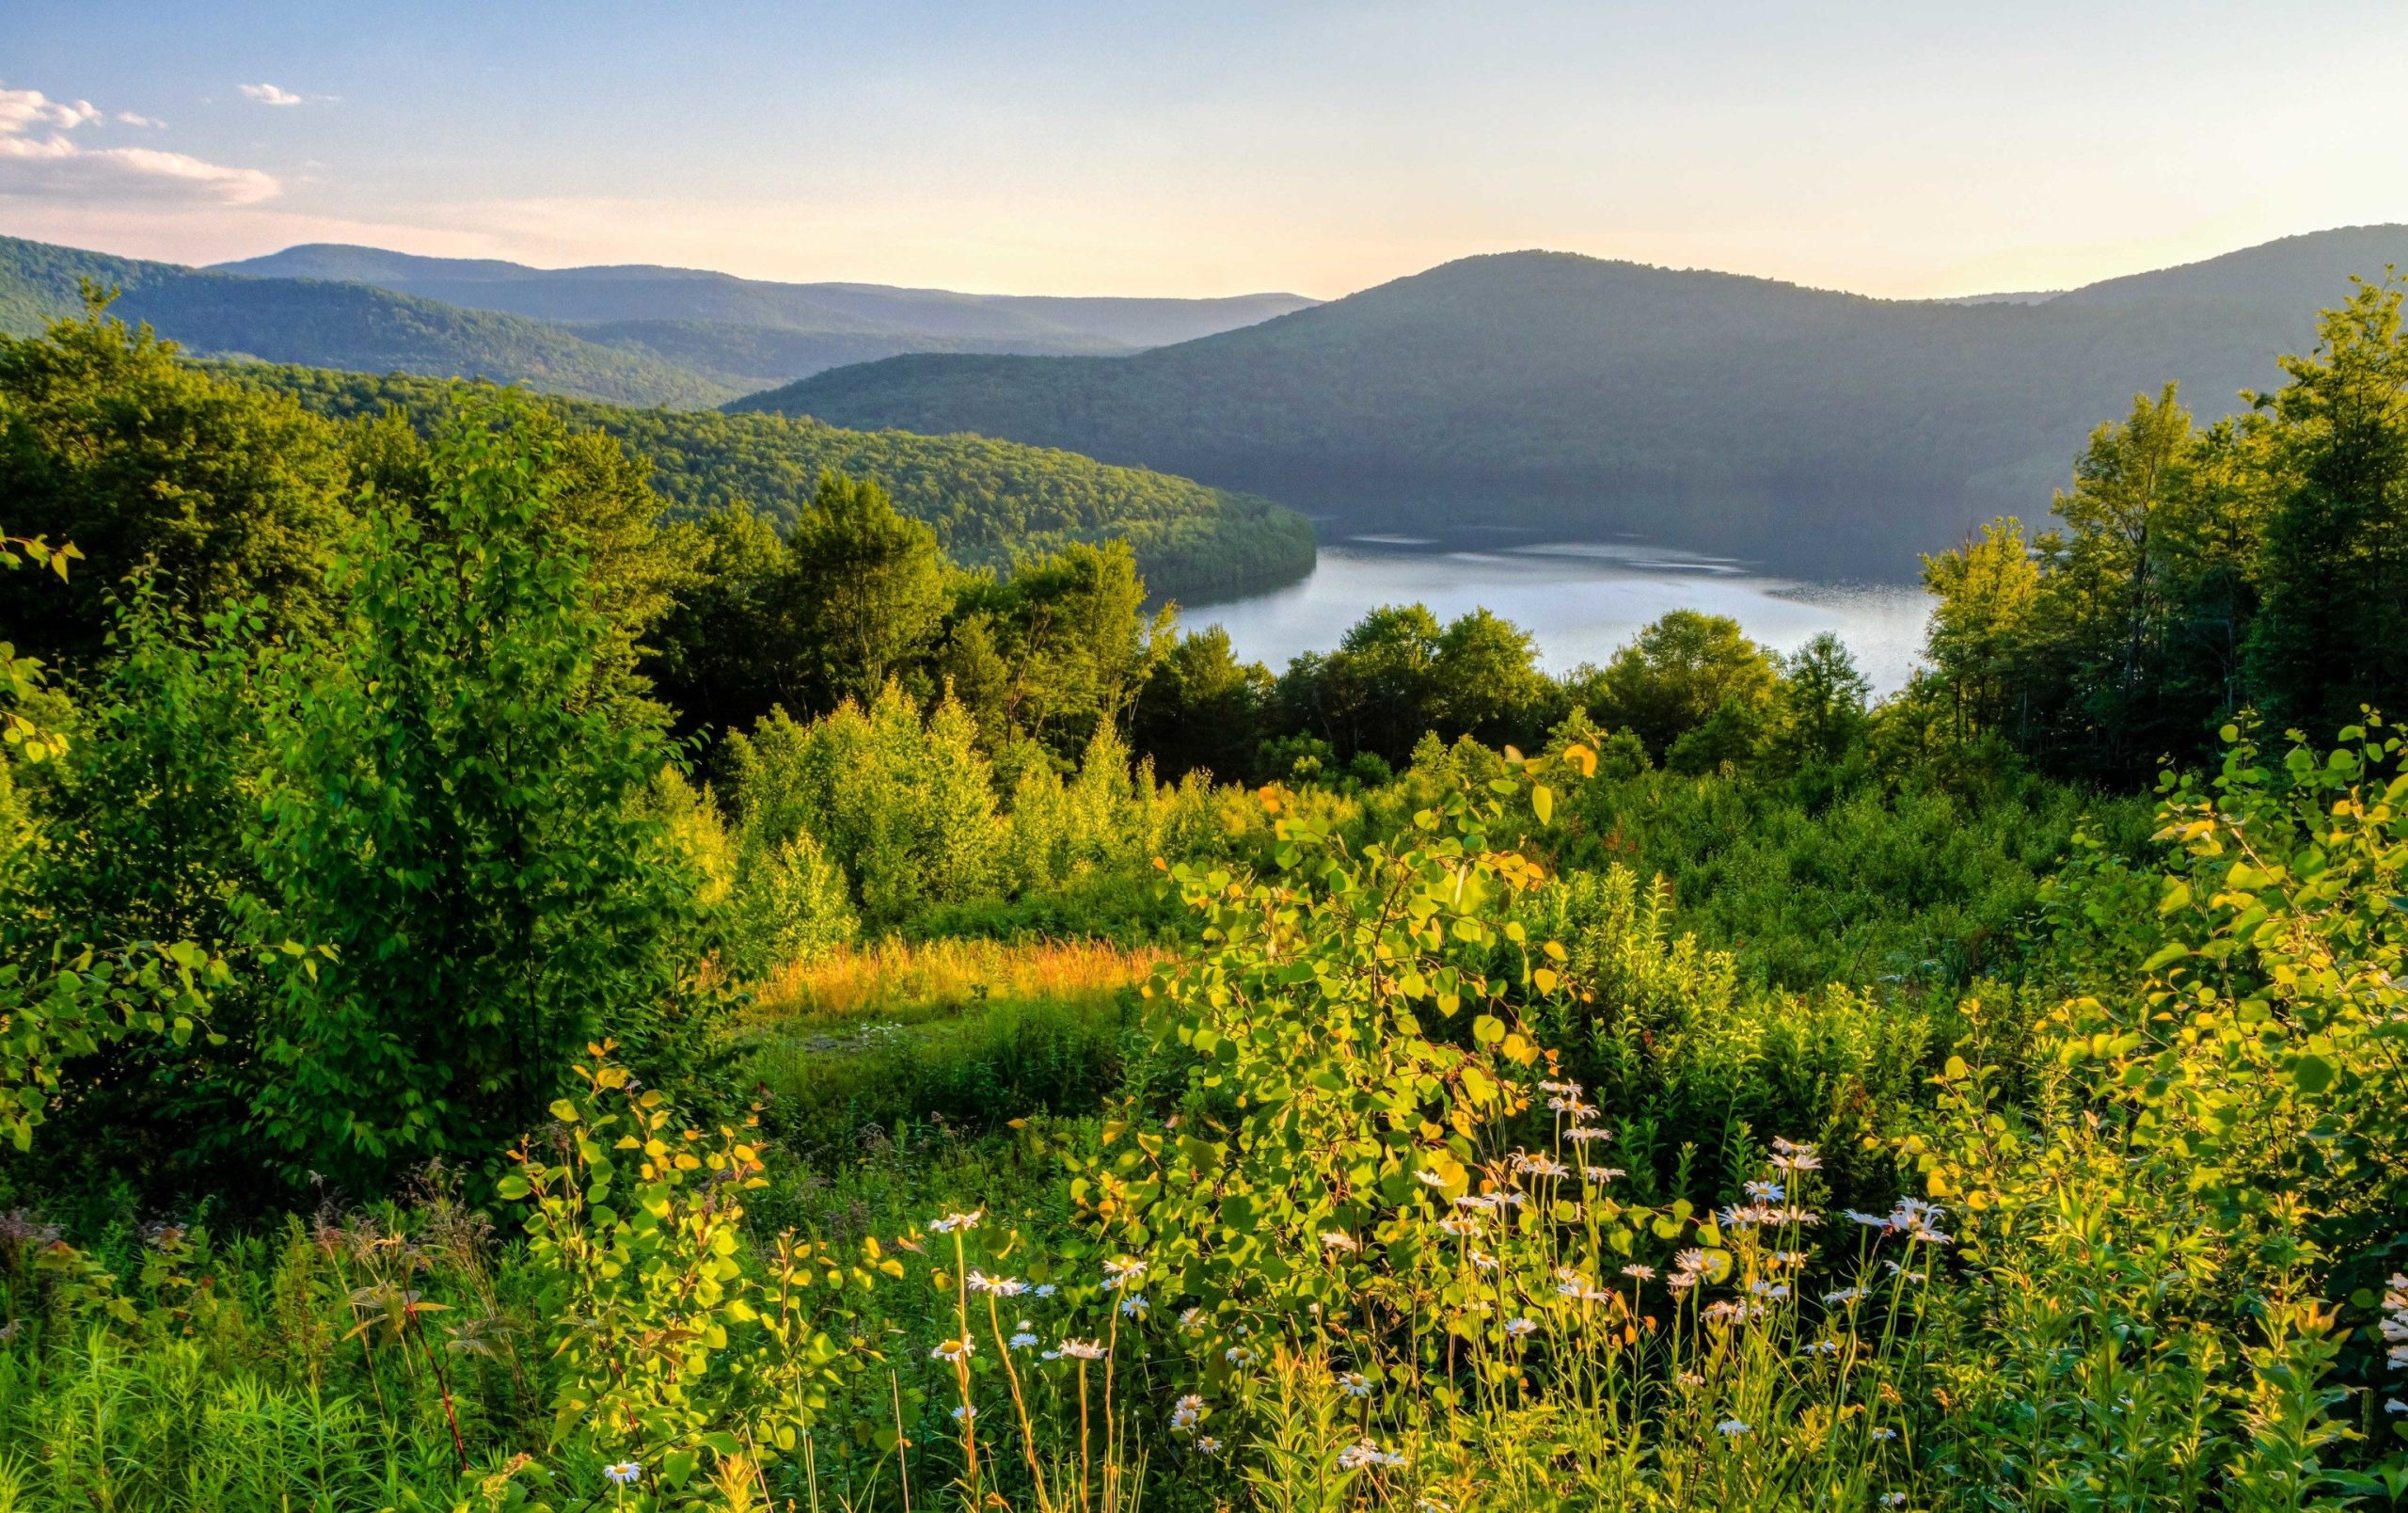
column 1580, row 599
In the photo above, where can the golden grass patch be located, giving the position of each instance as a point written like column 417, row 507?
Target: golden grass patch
column 893, row 978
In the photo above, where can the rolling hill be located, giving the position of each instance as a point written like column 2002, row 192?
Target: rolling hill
column 753, row 333
column 990, row 501
column 336, row 325
column 1818, row 431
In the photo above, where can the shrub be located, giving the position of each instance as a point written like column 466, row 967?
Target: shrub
column 450, row 827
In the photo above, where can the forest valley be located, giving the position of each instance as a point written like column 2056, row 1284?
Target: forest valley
column 514, row 997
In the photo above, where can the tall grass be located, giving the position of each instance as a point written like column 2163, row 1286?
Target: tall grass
column 857, row 1048
column 907, row 981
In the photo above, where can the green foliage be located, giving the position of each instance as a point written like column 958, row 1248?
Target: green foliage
column 673, row 1355
column 794, row 903
column 725, row 655
column 2198, row 573
column 906, row 805
column 897, row 816
column 603, row 503
column 447, row 823
column 1842, row 875
column 1354, row 1034
column 66, row 990
column 1693, row 1067
column 1398, row 674
column 1826, row 701
column 1201, row 710
column 1584, row 396
column 1057, row 652
column 1689, row 676
column 2330, row 637
column 866, row 589
column 107, row 439
column 2259, row 1045
column 990, row 503
column 840, row 1088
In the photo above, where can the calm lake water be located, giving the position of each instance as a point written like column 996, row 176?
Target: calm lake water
column 1581, row 599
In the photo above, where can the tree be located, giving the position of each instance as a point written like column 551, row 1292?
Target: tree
column 65, row 996
column 1057, row 650
column 724, row 655
column 1824, row 699
column 1202, row 709
column 864, row 588
column 2334, row 571
column 1986, row 590
column 2106, row 587
column 156, row 790
column 1374, row 692
column 604, row 504
column 905, row 806
column 1487, row 682
column 1680, row 671
column 107, row 439
column 449, row 818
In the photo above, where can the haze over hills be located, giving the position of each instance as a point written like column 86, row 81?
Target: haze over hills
column 1818, row 431
column 350, row 349
column 751, row 333
column 332, row 325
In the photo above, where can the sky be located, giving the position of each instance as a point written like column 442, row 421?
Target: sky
column 1126, row 147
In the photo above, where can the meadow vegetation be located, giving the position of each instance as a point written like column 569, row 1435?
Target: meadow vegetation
column 1009, row 1054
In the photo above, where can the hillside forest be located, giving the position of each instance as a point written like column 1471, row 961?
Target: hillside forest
column 527, row 982
column 1830, row 433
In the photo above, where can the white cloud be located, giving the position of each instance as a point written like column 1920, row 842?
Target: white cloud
column 23, row 109
column 56, row 168
column 268, row 94
column 128, row 117
column 39, row 160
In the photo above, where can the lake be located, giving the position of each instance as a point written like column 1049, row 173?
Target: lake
column 1581, row 599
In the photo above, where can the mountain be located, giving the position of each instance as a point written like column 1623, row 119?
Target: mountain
column 2319, row 265
column 703, row 318
column 1817, row 431
column 336, row 325
column 991, row 502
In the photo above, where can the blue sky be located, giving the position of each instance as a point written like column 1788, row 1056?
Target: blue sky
column 1137, row 147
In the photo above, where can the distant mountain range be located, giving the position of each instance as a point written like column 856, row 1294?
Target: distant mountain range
column 1818, row 431
column 347, row 326
column 674, row 336
column 351, row 349
column 748, row 333
column 1815, row 431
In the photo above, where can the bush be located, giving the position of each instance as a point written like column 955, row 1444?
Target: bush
column 448, row 835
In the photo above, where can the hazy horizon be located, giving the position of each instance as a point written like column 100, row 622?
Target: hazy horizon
column 1071, row 147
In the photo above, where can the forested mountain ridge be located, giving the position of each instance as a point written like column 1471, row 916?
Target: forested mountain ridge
column 1814, row 429
column 991, row 502
column 765, row 332
column 335, row 324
